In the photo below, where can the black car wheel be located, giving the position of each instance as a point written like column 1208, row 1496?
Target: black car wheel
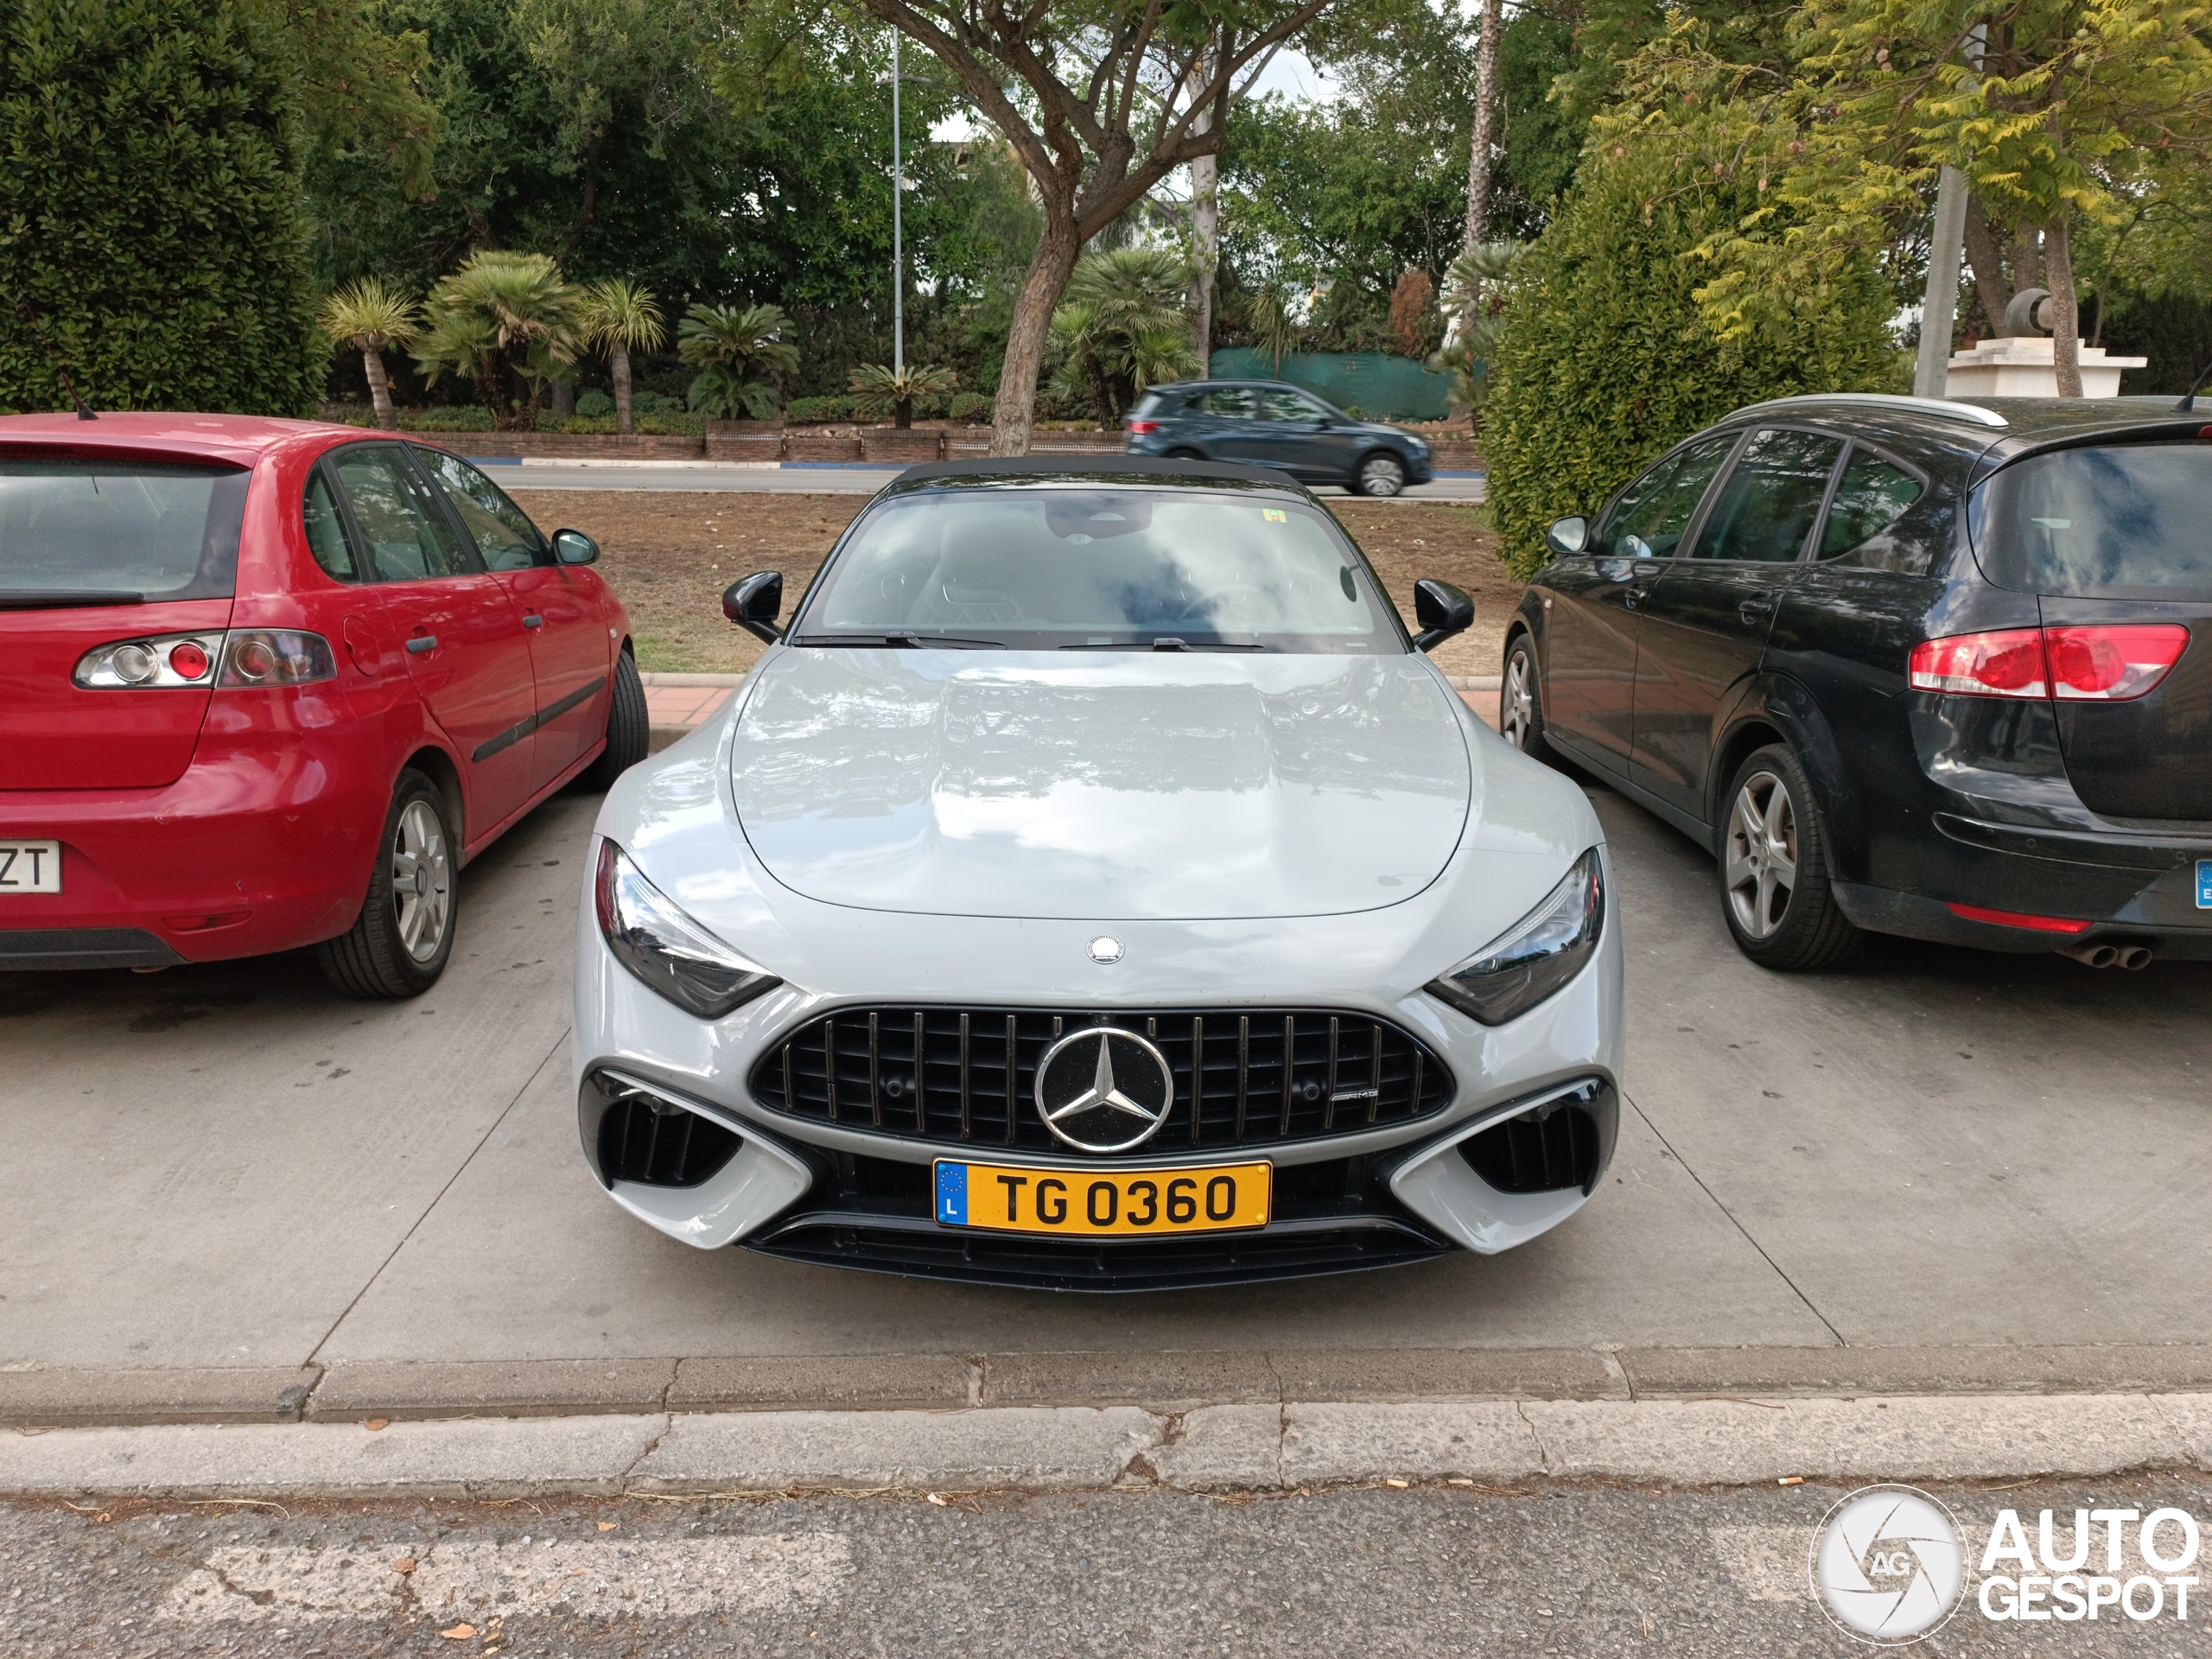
column 402, row 939
column 1520, row 699
column 1775, row 889
column 629, row 727
column 1380, row 474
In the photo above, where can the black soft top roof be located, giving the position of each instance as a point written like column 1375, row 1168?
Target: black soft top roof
column 1148, row 468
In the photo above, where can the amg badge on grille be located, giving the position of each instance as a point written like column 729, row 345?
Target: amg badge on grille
column 1104, row 1090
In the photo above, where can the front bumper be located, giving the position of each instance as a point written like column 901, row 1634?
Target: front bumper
column 853, row 1196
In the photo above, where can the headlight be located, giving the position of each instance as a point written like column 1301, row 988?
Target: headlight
column 665, row 949
column 1547, row 947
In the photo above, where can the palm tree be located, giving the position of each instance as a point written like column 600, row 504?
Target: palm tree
column 877, row 391
column 731, row 342
column 1475, row 287
column 1267, row 314
column 368, row 316
column 503, row 319
column 1124, row 324
column 621, row 317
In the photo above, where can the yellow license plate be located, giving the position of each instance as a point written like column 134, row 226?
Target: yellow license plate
column 1104, row 1203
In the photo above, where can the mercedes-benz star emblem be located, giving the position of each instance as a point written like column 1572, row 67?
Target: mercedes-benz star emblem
column 1105, row 948
column 1104, row 1090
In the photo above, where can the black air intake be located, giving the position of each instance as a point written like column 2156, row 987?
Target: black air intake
column 655, row 1142
column 1548, row 1149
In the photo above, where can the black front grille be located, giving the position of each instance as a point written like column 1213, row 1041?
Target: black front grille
column 977, row 1067
column 656, row 1142
column 1548, row 1150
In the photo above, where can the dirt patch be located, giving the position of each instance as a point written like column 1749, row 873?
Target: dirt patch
column 669, row 556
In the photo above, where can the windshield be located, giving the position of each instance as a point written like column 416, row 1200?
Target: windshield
column 1057, row 567
column 82, row 531
column 2120, row 521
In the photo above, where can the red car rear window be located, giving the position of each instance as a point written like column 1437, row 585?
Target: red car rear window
column 78, row 531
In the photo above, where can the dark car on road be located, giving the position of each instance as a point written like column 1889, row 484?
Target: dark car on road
column 1908, row 666
column 1270, row 424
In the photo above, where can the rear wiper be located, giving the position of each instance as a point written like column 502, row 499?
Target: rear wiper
column 43, row 598
column 900, row 641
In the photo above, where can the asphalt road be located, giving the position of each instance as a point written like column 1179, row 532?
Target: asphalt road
column 1966, row 1169
column 1373, row 1573
column 819, row 480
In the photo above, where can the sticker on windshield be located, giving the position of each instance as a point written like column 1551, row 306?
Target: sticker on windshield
column 1275, row 515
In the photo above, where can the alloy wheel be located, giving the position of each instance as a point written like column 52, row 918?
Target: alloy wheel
column 1381, row 475
column 1517, row 704
column 1760, row 863
column 421, row 881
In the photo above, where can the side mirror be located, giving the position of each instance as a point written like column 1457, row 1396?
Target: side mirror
column 1568, row 536
column 1442, row 611
column 574, row 546
column 753, row 602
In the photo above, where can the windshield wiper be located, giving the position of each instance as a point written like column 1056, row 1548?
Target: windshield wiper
column 42, row 599
column 1167, row 643
column 900, row 641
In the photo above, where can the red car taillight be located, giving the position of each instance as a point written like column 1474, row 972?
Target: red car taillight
column 1141, row 428
column 2102, row 663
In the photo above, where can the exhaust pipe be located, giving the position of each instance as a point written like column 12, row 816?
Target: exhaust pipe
column 2104, row 954
column 2094, row 955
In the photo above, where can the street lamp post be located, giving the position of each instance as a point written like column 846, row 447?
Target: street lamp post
column 898, row 241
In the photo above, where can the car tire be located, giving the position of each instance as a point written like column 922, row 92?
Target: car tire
column 1183, row 455
column 629, row 727
column 1380, row 474
column 402, row 939
column 1777, row 894
column 1521, row 700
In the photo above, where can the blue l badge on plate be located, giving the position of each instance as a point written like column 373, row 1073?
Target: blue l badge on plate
column 2204, row 884
column 952, row 1194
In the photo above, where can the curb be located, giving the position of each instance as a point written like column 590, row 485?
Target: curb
column 1257, row 1447
column 1158, row 1382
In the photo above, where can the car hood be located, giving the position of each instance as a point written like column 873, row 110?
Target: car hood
column 1156, row 786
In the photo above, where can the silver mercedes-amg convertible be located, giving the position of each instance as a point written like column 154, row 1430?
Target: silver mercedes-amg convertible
column 1096, row 888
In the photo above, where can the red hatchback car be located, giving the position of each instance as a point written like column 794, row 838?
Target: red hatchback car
column 269, row 684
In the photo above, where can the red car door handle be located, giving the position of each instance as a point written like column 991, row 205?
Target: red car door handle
column 533, row 621
column 420, row 643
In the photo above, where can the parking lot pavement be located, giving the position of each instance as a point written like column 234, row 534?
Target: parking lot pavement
column 1523, row 1570
column 1973, row 1171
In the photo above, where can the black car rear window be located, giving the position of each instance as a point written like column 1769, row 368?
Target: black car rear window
column 2116, row 521
column 76, row 532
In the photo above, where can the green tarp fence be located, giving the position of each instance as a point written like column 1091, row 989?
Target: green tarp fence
column 1387, row 388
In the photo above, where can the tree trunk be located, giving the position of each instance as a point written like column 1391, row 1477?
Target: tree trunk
column 379, row 390
column 2065, row 305
column 1016, row 413
column 564, row 397
column 1986, row 259
column 618, row 362
column 1477, row 229
column 1205, row 224
column 2027, row 266
column 902, row 413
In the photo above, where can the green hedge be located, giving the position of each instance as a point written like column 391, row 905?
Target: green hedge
column 150, row 209
column 1602, row 361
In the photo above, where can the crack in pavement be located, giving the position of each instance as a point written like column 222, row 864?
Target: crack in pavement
column 1543, row 1451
